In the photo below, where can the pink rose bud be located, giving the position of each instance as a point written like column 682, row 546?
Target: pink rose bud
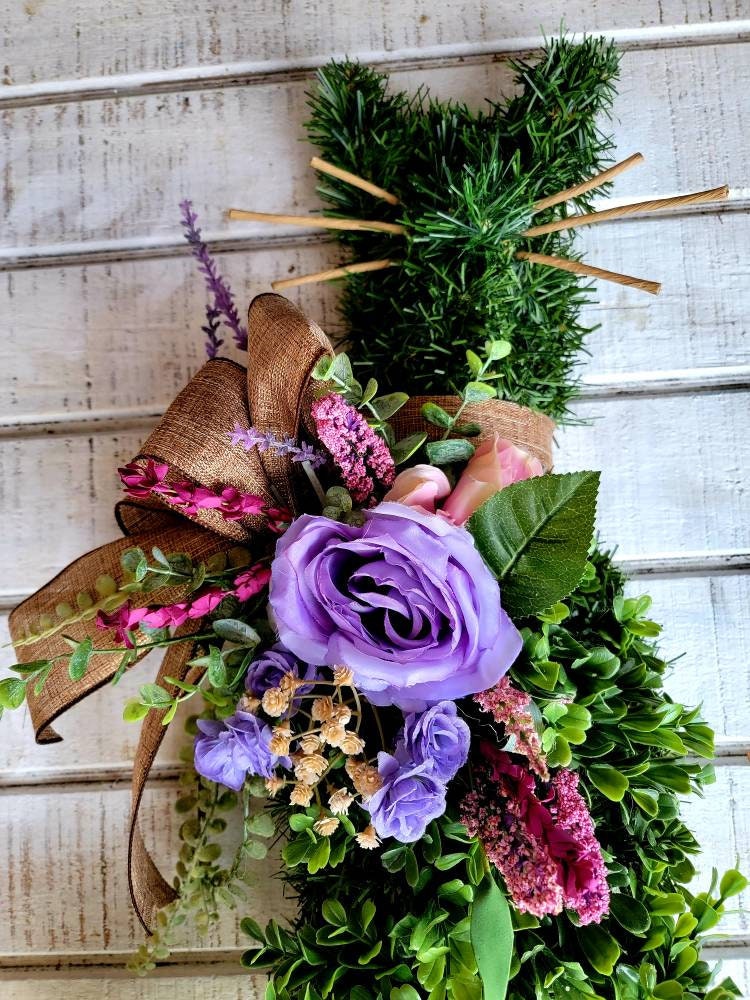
column 495, row 464
column 421, row 486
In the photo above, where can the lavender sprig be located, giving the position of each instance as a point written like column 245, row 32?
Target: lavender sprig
column 223, row 300
column 249, row 438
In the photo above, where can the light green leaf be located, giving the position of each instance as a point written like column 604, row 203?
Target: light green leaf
column 535, row 536
column 403, row 450
column 217, row 671
column 732, row 883
column 474, row 362
column 447, row 452
column 436, row 415
column 599, row 947
column 12, row 692
column 234, row 630
column 79, row 660
column 386, row 406
column 134, row 711
column 478, row 392
column 154, row 696
column 492, row 938
column 497, row 349
column 608, row 780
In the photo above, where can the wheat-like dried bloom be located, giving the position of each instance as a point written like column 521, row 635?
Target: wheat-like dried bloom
column 281, row 740
column 310, row 743
column 274, row 786
column 333, row 732
column 289, row 683
column 368, row 839
column 365, row 778
column 309, row 768
column 275, row 702
column 301, row 795
column 352, row 743
column 342, row 714
column 340, row 801
column 326, row 825
column 322, row 709
column 343, row 676
column 248, row 703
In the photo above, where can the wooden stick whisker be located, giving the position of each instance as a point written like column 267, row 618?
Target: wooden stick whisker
column 318, row 221
column 349, row 178
column 656, row 204
column 590, row 184
column 331, row 275
column 578, row 267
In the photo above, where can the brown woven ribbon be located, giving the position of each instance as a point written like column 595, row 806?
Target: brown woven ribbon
column 273, row 395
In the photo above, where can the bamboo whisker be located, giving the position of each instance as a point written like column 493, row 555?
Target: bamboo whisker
column 578, row 267
column 713, row 194
column 318, row 221
column 331, row 275
column 349, row 178
column 590, row 184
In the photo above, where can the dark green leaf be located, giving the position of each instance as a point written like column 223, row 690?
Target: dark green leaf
column 436, row 415
column 386, row 406
column 599, row 947
column 535, row 536
column 403, row 450
column 629, row 913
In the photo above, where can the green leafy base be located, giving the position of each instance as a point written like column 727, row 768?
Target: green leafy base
column 397, row 925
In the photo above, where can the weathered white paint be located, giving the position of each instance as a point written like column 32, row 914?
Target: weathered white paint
column 116, row 170
column 43, row 44
column 107, row 345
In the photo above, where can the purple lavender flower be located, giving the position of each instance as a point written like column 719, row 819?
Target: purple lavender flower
column 437, row 736
column 249, row 438
column 410, row 798
column 223, row 300
column 227, row 751
column 267, row 671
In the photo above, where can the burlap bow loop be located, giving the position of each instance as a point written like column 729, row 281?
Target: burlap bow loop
column 273, row 396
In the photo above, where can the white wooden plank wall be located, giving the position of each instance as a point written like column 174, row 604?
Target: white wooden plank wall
column 111, row 113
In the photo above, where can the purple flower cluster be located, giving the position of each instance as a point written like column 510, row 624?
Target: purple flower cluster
column 432, row 748
column 227, row 751
column 249, row 438
column 223, row 300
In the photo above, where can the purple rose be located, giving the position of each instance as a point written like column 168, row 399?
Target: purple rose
column 405, row 601
column 410, row 798
column 226, row 751
column 267, row 671
column 438, row 737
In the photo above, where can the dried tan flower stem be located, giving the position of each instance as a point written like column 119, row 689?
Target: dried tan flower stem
column 590, row 184
column 333, row 273
column 318, row 221
column 578, row 267
column 349, row 178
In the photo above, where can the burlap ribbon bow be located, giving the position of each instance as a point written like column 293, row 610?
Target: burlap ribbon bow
column 273, row 395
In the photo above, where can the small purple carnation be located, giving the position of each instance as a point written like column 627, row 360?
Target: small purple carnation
column 437, row 736
column 227, row 751
column 410, row 798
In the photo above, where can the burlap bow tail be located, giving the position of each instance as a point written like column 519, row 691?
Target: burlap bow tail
column 272, row 395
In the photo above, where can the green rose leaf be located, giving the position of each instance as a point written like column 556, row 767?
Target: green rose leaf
column 79, row 660
column 535, row 536
column 492, row 938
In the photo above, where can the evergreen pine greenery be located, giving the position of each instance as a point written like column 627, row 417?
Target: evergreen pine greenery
column 466, row 183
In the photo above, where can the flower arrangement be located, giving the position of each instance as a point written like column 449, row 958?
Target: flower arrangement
column 418, row 670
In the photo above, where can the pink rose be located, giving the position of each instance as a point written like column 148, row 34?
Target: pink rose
column 495, row 464
column 421, row 486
